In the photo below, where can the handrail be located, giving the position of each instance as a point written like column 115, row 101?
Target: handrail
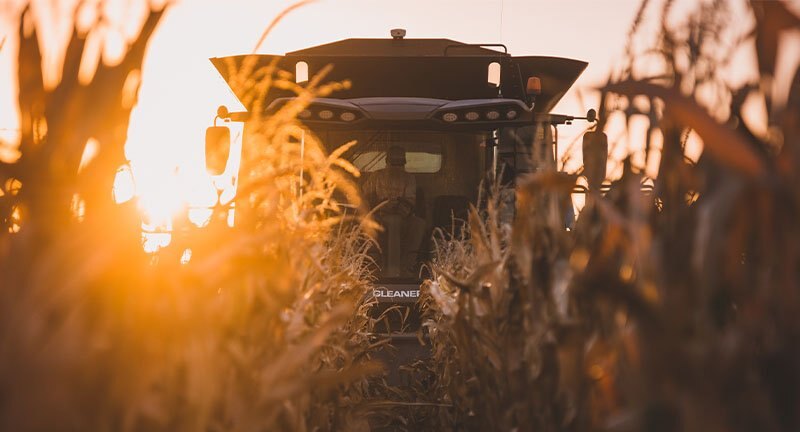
column 447, row 48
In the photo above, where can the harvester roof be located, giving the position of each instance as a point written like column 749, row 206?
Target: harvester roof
column 418, row 68
column 395, row 48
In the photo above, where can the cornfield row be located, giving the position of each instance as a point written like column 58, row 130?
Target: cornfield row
column 665, row 310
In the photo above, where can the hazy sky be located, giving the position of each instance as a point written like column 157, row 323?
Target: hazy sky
column 181, row 89
column 197, row 30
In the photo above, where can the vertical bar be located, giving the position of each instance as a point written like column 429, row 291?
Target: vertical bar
column 302, row 161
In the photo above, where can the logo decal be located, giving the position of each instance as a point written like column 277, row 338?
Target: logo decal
column 384, row 292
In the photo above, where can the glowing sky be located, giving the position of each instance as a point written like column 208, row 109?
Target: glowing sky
column 181, row 89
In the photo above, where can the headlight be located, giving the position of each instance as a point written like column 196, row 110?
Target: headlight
column 326, row 114
column 450, row 117
column 472, row 116
column 511, row 115
column 492, row 115
column 347, row 116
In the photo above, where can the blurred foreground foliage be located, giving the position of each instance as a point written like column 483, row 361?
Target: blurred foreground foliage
column 670, row 310
column 666, row 310
column 263, row 329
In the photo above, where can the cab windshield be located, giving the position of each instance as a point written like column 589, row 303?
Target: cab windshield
column 442, row 163
column 418, row 181
column 424, row 150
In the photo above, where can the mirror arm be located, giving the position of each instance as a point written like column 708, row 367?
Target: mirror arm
column 235, row 116
column 558, row 119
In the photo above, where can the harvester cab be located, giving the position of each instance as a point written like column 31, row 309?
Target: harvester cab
column 432, row 118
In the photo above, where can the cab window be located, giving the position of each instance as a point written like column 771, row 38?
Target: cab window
column 426, row 161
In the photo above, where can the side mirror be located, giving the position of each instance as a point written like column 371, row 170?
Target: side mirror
column 493, row 75
column 218, row 148
column 591, row 115
column 595, row 156
column 534, row 86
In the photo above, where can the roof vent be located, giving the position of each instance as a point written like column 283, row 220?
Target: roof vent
column 398, row 33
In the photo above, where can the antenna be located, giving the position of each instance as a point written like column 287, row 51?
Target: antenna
column 502, row 7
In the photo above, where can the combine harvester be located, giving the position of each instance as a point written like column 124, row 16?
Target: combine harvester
column 433, row 118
